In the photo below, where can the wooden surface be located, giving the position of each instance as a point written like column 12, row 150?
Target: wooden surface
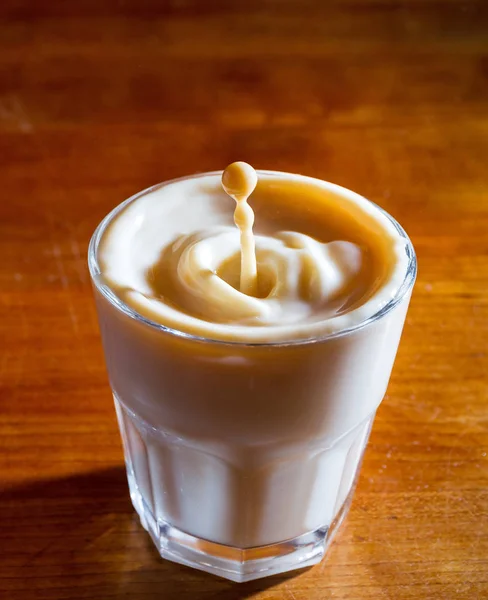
column 101, row 99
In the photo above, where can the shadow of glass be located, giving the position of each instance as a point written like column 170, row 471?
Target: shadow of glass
column 78, row 537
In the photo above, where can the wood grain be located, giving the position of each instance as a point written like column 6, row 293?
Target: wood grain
column 101, row 99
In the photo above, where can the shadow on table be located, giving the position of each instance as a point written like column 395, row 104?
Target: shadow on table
column 78, row 537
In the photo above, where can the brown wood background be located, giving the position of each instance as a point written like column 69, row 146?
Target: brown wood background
column 99, row 99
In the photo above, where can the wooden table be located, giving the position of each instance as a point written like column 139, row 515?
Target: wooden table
column 99, row 99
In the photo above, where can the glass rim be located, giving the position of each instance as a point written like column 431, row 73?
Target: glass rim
column 119, row 304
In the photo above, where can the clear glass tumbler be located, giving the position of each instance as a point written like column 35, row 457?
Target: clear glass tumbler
column 256, row 483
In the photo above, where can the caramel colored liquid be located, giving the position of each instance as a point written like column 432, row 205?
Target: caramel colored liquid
column 239, row 181
column 314, row 264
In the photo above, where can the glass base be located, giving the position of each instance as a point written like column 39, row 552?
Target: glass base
column 235, row 564
column 185, row 497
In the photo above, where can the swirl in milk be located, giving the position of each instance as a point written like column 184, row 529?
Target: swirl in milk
column 296, row 276
column 174, row 255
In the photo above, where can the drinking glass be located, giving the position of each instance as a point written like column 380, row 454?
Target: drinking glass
column 242, row 458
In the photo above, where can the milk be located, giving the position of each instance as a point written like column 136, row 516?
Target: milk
column 245, row 404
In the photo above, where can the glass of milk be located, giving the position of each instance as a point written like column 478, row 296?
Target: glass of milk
column 242, row 450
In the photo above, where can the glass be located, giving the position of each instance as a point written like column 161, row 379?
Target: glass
column 244, row 486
